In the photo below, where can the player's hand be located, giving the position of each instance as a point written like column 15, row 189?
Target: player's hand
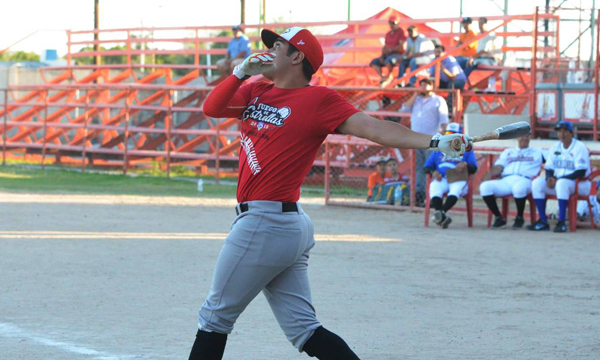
column 436, row 175
column 487, row 176
column 255, row 64
column 452, row 145
column 551, row 182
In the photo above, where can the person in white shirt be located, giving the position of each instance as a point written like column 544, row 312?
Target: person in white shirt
column 419, row 51
column 429, row 115
column 516, row 168
column 489, row 49
column 567, row 161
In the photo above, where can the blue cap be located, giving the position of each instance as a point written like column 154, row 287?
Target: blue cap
column 564, row 124
column 454, row 128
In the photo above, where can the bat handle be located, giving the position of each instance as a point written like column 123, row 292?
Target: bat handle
column 457, row 144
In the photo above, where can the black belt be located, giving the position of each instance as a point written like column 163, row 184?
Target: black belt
column 527, row 177
column 285, row 207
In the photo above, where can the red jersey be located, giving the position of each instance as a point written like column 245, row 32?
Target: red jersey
column 393, row 39
column 282, row 131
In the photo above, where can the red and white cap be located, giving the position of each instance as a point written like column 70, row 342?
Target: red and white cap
column 302, row 40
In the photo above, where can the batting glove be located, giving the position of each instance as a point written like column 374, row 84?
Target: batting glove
column 450, row 147
column 254, row 65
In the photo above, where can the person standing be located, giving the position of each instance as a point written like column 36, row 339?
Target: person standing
column 283, row 125
column 428, row 115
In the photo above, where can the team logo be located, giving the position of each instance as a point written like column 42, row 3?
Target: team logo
column 300, row 42
column 262, row 115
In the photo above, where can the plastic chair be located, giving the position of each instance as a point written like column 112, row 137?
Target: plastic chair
column 468, row 198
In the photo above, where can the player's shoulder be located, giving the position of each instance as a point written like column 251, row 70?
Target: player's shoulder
column 579, row 145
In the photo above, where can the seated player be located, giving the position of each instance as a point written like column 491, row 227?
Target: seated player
column 582, row 209
column 567, row 161
column 515, row 167
column 437, row 165
column 377, row 177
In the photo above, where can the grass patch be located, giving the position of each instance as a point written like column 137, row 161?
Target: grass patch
column 31, row 180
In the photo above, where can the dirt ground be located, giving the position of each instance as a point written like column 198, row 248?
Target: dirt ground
column 120, row 277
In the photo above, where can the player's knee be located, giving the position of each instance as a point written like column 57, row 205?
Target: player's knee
column 325, row 345
column 520, row 192
column 537, row 188
column 564, row 188
column 486, row 188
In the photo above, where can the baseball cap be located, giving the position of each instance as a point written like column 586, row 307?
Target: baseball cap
column 236, row 27
column 382, row 159
column 564, row 124
column 454, row 128
column 467, row 20
column 411, row 27
column 393, row 19
column 302, row 40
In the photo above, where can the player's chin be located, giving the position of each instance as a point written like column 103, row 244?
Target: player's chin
column 269, row 74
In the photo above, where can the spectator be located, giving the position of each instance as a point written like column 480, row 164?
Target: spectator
column 567, row 161
column 437, row 164
column 395, row 44
column 582, row 208
column 464, row 38
column 419, row 51
column 237, row 50
column 451, row 74
column 429, row 115
column 378, row 177
column 515, row 167
column 488, row 49
column 392, row 171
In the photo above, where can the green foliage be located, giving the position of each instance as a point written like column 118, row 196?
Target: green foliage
column 19, row 179
column 19, row 56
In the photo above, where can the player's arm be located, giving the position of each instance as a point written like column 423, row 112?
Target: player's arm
column 225, row 100
column 395, row 135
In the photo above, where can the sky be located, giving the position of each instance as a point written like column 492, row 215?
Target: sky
column 19, row 18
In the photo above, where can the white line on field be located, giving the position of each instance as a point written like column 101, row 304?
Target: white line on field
column 13, row 331
column 87, row 235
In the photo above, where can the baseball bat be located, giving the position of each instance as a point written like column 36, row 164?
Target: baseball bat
column 510, row 131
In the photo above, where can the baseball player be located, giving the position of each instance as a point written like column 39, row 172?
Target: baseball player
column 582, row 207
column 268, row 246
column 568, row 160
column 437, row 164
column 516, row 168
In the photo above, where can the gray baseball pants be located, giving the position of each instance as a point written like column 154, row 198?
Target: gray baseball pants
column 266, row 250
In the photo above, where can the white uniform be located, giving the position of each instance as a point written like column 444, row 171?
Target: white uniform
column 584, row 211
column 519, row 167
column 564, row 162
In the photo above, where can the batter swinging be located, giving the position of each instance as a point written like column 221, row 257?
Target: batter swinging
column 283, row 126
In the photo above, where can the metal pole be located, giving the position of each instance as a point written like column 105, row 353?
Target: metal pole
column 326, row 172
column 264, row 9
column 596, row 74
column 45, row 127
column 169, row 121
column 4, row 127
column 461, row 9
column 243, row 12
column 532, row 109
column 505, row 38
column 96, row 27
column 126, row 135
column 348, row 10
column 592, row 32
column 86, row 118
column 218, row 158
column 413, row 178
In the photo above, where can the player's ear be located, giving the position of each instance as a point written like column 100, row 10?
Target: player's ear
column 298, row 57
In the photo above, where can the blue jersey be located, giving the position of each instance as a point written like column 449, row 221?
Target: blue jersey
column 437, row 162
